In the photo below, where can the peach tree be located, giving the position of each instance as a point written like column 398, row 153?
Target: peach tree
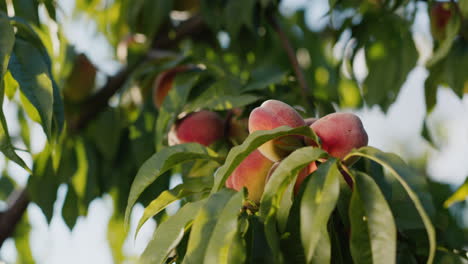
column 248, row 108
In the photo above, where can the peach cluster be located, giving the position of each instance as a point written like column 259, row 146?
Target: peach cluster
column 339, row 133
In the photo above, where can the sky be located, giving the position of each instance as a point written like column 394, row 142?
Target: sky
column 397, row 131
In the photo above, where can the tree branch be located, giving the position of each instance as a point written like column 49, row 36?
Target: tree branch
column 17, row 204
column 194, row 27
column 287, row 46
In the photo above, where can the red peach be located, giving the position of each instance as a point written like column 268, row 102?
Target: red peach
column 340, row 133
column 272, row 114
column 251, row 173
column 203, row 127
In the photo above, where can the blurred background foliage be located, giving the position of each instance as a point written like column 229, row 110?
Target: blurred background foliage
column 100, row 128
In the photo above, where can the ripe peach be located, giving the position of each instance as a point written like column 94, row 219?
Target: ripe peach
column 164, row 82
column 340, row 133
column 251, row 173
column 272, row 114
column 203, row 127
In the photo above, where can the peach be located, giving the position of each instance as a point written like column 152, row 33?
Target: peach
column 340, row 133
column 164, row 82
column 203, row 127
column 272, row 114
column 251, row 173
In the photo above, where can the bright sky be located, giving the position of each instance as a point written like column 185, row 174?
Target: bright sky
column 398, row 132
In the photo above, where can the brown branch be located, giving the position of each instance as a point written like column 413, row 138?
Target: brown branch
column 17, row 204
column 193, row 27
column 287, row 46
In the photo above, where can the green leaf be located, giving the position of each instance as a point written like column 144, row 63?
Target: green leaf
column 173, row 105
column 284, row 174
column 265, row 3
column 7, row 42
column 390, row 56
column 252, row 142
column 319, row 200
column 455, row 63
column 58, row 108
column 167, row 197
column 373, row 230
column 459, row 195
column 7, row 185
column 453, row 28
column 222, row 95
column 224, row 102
column 22, row 243
column 463, row 4
column 203, row 223
column 161, row 162
column 27, row 9
column 169, row 234
column 11, row 85
column 70, row 209
column 105, row 131
column 401, row 172
column 237, row 14
column 147, row 16
column 225, row 232
column 263, row 77
column 276, row 187
column 50, row 6
column 6, row 47
column 116, row 236
column 31, row 72
column 43, row 183
column 436, row 74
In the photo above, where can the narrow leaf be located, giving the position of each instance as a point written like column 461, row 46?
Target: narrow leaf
column 225, row 232
column 319, row 200
column 173, row 105
column 453, row 28
column 168, row 235
column 252, row 142
column 284, row 175
column 166, row 198
column 6, row 47
column 401, row 171
column 161, row 162
column 31, row 72
column 373, row 230
column 459, row 195
column 203, row 223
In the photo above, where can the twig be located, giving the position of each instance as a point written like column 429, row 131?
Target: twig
column 193, row 27
column 17, row 204
column 305, row 91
